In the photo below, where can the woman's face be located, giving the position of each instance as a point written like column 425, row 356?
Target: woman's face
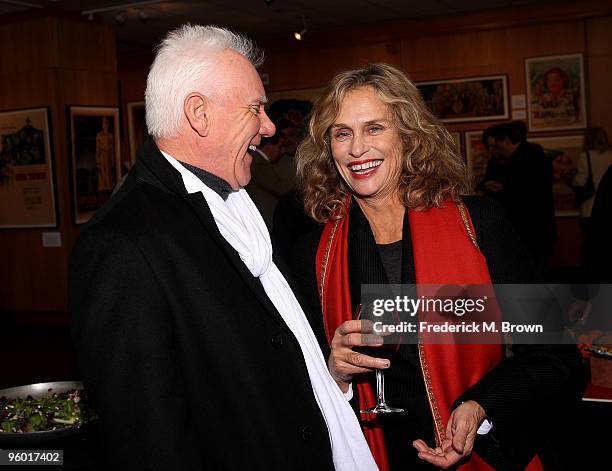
column 554, row 83
column 366, row 145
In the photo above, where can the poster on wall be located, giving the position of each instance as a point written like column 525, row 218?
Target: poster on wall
column 137, row 127
column 96, row 159
column 477, row 157
column 467, row 99
column 563, row 151
column 27, row 197
column 289, row 112
column 555, row 92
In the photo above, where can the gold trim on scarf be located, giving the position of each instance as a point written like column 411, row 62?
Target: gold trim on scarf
column 433, row 404
column 466, row 223
column 324, row 263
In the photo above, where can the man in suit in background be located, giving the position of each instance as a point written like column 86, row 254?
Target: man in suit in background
column 194, row 351
column 267, row 183
column 520, row 177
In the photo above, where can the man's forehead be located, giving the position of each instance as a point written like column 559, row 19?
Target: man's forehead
column 237, row 74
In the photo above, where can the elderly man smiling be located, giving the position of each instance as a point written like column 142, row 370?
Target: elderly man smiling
column 194, row 350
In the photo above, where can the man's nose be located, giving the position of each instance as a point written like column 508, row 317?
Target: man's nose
column 267, row 127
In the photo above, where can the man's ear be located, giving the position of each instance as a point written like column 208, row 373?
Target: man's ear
column 197, row 110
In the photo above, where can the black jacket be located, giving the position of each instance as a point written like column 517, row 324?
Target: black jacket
column 184, row 357
column 597, row 253
column 527, row 199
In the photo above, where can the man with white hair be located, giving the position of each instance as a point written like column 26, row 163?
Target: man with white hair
column 194, row 350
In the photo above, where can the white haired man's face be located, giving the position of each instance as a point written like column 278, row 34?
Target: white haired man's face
column 238, row 119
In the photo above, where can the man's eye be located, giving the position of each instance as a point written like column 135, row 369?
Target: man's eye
column 255, row 109
column 375, row 129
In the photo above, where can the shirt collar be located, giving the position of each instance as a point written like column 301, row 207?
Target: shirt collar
column 212, row 181
column 215, row 183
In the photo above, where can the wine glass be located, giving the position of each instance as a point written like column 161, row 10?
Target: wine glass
column 390, row 346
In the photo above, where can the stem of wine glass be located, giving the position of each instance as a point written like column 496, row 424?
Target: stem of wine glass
column 380, row 387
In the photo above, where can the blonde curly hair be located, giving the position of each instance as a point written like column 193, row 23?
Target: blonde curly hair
column 432, row 170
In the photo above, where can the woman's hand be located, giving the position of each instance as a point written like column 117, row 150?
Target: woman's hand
column 459, row 440
column 344, row 362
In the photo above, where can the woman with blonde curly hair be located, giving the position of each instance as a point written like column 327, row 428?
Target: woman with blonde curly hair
column 431, row 169
column 383, row 179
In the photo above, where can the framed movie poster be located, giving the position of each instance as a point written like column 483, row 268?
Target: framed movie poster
column 137, row 127
column 96, row 159
column 555, row 92
column 563, row 151
column 27, row 195
column 289, row 112
column 477, row 157
column 467, row 99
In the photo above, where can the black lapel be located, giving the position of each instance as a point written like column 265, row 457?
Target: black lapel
column 154, row 169
column 200, row 207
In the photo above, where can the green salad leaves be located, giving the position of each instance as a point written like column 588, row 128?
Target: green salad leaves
column 51, row 412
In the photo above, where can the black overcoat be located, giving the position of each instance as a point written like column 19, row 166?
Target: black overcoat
column 187, row 362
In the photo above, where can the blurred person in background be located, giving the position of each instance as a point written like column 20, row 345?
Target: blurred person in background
column 520, row 178
column 591, row 165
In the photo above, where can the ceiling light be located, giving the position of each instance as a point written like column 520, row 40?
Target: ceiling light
column 300, row 35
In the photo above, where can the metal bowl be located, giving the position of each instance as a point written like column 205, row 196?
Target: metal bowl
column 36, row 391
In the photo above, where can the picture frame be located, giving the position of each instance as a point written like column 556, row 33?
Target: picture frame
column 563, row 151
column 27, row 190
column 289, row 112
column 467, row 99
column 95, row 157
column 137, row 127
column 477, row 157
column 555, row 93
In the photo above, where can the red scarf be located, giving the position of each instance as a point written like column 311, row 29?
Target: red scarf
column 445, row 252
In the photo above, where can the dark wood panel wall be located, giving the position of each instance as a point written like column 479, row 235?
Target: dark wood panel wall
column 51, row 62
column 60, row 61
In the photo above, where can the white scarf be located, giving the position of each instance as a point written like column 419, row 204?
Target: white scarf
column 242, row 226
